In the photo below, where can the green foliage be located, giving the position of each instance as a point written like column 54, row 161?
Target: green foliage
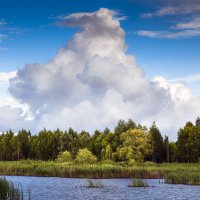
column 108, row 152
column 64, row 157
column 157, row 144
column 198, row 122
column 188, row 144
column 47, row 145
column 23, row 144
column 130, row 143
column 85, row 156
column 136, row 145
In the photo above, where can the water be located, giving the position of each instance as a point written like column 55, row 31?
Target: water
column 52, row 188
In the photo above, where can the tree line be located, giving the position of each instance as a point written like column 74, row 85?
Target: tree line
column 129, row 142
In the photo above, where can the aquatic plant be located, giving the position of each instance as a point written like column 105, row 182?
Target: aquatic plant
column 9, row 191
column 138, row 183
column 94, row 184
column 183, row 178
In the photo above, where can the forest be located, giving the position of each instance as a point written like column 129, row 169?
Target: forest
column 129, row 143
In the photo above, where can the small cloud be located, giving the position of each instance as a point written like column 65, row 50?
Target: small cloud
column 192, row 24
column 169, row 34
column 190, row 78
column 166, row 11
column 190, row 7
column 147, row 15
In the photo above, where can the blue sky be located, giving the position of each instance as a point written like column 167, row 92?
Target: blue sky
column 163, row 36
column 32, row 36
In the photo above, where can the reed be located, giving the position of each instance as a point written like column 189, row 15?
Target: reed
column 94, row 184
column 9, row 191
column 97, row 170
column 183, row 178
column 138, row 183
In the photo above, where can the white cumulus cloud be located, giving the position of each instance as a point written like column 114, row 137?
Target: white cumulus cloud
column 92, row 83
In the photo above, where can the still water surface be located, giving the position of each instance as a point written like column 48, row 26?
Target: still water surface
column 115, row 189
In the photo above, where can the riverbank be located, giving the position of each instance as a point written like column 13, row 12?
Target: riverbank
column 98, row 170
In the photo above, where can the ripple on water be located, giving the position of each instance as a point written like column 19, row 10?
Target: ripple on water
column 115, row 189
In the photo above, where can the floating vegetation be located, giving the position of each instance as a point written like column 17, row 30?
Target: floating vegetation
column 138, row 183
column 94, row 184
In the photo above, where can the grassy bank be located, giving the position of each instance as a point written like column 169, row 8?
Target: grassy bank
column 98, row 170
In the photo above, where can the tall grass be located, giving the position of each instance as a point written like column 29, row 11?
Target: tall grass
column 97, row 170
column 138, row 183
column 183, row 178
column 9, row 191
column 93, row 184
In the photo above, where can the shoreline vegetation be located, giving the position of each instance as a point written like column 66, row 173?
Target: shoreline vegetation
column 129, row 142
column 9, row 191
column 130, row 151
column 173, row 173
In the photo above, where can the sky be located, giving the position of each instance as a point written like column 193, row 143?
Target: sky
column 87, row 64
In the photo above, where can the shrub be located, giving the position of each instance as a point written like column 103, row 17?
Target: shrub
column 85, row 156
column 64, row 157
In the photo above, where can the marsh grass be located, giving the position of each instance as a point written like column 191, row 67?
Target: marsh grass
column 9, row 191
column 94, row 184
column 183, row 178
column 98, row 170
column 138, row 183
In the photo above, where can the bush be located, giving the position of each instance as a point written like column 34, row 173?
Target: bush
column 132, row 162
column 64, row 157
column 85, row 156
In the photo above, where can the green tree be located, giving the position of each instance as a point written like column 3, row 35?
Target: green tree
column 8, row 144
column 182, row 143
column 136, row 144
column 84, row 139
column 72, row 142
column 198, row 122
column 157, row 144
column 23, row 139
column 47, row 145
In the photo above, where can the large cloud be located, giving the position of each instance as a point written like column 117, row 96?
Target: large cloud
column 92, row 83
